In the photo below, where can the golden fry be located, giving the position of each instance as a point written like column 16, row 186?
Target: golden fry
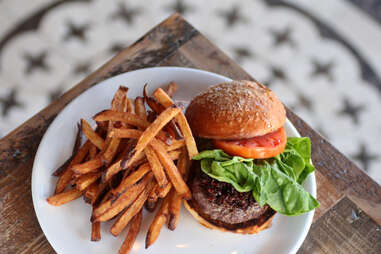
column 176, row 144
column 158, row 222
column 132, row 233
column 95, row 231
column 140, row 109
column 171, row 170
column 162, row 192
column 109, row 208
column 92, row 135
column 86, row 180
column 171, row 88
column 119, row 97
column 151, row 132
column 125, row 117
column 66, row 176
column 131, row 211
column 88, row 166
column 174, row 210
column 130, row 106
column 90, row 193
column 64, row 197
column 166, row 101
column 125, row 133
column 156, row 166
column 110, row 151
column 133, row 178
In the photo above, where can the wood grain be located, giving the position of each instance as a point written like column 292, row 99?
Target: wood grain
column 343, row 229
column 341, row 185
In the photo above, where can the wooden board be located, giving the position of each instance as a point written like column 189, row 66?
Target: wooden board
column 176, row 43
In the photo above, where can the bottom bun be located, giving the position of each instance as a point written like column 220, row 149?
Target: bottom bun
column 251, row 227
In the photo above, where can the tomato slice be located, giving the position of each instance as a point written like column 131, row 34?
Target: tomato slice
column 261, row 147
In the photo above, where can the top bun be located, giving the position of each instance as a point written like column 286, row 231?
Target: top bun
column 235, row 110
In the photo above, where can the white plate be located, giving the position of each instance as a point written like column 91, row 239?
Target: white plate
column 67, row 228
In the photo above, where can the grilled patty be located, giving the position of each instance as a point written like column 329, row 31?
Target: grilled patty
column 221, row 202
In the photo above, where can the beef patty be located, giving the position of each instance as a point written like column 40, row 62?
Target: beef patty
column 221, row 202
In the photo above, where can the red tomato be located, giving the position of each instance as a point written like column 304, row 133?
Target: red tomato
column 261, row 147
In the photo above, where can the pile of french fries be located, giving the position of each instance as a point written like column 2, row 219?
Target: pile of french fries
column 134, row 158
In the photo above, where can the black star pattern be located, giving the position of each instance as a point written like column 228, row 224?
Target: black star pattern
column 352, row 110
column 37, row 61
column 242, row 53
column 282, row 37
column 180, row 7
column 117, row 47
column 305, row 102
column 322, row 69
column 9, row 102
column 55, row 94
column 125, row 13
column 76, row 31
column 276, row 74
column 232, row 16
column 82, row 68
column 364, row 157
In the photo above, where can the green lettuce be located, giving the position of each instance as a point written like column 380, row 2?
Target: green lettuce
column 275, row 181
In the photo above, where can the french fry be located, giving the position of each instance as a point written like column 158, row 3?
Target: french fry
column 119, row 97
column 152, row 196
column 130, row 106
column 151, row 132
column 64, row 197
column 66, row 176
column 86, row 180
column 88, row 166
column 158, row 222
column 174, row 210
column 171, row 88
column 133, row 231
column 95, row 231
column 61, row 169
column 150, row 205
column 176, row 144
column 110, row 152
column 156, row 167
column 125, row 133
column 171, row 170
column 90, row 193
column 131, row 211
column 132, row 179
column 162, row 192
column 166, row 101
column 92, row 152
column 140, row 109
column 125, row 117
column 108, row 209
column 174, row 155
column 92, row 135
column 117, row 166
column 158, row 109
column 183, row 164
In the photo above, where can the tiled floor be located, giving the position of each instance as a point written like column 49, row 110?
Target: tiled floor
column 308, row 53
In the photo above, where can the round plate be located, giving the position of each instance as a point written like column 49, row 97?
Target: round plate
column 68, row 227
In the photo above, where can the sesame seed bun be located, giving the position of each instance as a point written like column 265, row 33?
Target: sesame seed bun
column 235, row 110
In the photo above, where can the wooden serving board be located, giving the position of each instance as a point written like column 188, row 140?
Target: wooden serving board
column 348, row 220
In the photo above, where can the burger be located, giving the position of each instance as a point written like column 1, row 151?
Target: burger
column 247, row 170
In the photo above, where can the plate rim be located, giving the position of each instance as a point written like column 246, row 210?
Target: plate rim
column 310, row 215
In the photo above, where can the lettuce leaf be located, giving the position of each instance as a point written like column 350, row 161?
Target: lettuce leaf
column 276, row 181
